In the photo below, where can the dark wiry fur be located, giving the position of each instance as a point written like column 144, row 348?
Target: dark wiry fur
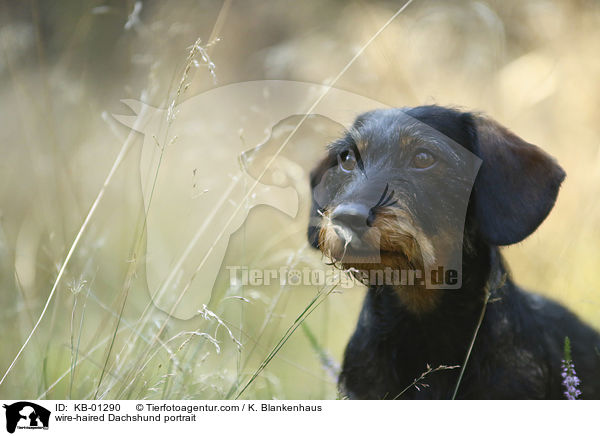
column 518, row 350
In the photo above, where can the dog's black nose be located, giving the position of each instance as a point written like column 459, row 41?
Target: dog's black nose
column 353, row 216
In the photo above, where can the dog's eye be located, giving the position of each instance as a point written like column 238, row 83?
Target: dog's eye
column 347, row 160
column 423, row 159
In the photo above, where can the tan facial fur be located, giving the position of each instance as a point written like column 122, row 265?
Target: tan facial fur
column 397, row 243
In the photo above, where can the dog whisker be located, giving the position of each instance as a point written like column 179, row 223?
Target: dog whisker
column 382, row 195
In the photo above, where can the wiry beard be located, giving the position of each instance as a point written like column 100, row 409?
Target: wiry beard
column 392, row 242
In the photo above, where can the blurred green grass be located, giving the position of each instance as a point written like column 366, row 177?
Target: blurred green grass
column 531, row 65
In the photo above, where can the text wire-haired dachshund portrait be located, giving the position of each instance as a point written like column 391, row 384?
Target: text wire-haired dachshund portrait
column 415, row 203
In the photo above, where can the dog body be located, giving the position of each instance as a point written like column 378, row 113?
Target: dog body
column 390, row 195
column 517, row 353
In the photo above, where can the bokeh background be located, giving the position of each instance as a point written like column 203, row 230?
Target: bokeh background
column 65, row 66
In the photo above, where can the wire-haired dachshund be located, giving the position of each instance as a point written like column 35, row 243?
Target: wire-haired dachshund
column 416, row 203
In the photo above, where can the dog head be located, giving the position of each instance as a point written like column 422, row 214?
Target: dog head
column 394, row 191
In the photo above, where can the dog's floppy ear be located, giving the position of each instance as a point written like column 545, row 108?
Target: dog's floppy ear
column 517, row 183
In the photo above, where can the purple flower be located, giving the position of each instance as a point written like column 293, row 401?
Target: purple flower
column 570, row 380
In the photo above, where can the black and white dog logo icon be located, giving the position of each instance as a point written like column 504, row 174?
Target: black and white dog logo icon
column 26, row 415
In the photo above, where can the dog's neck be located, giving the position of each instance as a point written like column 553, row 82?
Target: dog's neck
column 483, row 271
